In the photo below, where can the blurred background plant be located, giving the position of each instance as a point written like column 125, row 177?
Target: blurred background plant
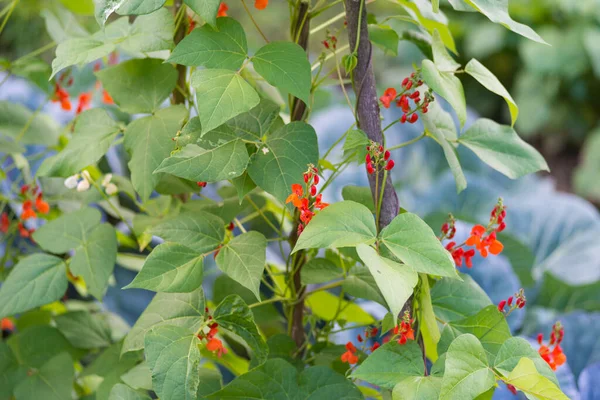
column 552, row 235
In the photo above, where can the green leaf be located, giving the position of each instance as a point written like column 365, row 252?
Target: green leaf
column 422, row 12
column 94, row 133
column 224, row 47
column 360, row 283
column 439, row 125
column 36, row 280
column 356, row 143
column 179, row 309
column 10, row 371
column 446, row 85
column 326, row 305
column 234, row 316
column 79, row 51
column 139, row 377
column 278, row 380
column 207, row 9
column 26, row 127
column 497, row 11
column 390, row 364
column 585, row 181
column 226, row 161
column 488, row 325
column 410, row 239
column 149, row 33
column 111, row 360
column 149, row 141
column 526, row 378
column 53, row 381
column 139, row 7
column 221, row 95
column 170, row 267
column 243, row 259
column 243, row 185
column 513, row 350
column 359, row 194
column 467, row 373
column 95, row 258
column 521, row 258
column 81, row 7
column 429, row 325
column 104, row 8
column 124, row 392
column 173, row 356
column 67, row 232
column 254, row 124
column 35, row 345
column 563, row 297
column 501, row 148
column 285, row 66
column 484, row 76
column 320, row 270
column 343, row 224
column 396, row 281
column 9, row 146
column 61, row 24
column 139, row 86
column 418, row 388
column 385, row 38
column 200, row 231
column 84, row 330
column 282, row 160
column 443, row 61
column 454, row 299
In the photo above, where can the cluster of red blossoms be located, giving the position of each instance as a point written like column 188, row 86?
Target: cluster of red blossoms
column 555, row 357
column 404, row 330
column 378, row 159
column 330, row 42
column 306, row 199
column 403, row 98
column 6, row 325
column 483, row 239
column 33, row 201
column 350, row 355
column 223, row 8
column 207, row 336
column 519, row 303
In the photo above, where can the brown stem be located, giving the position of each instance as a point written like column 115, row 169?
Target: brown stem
column 300, row 31
column 179, row 96
column 367, row 108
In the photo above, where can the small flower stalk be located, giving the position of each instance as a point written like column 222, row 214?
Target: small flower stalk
column 378, row 159
column 509, row 305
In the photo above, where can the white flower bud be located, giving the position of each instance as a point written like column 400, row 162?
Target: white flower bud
column 86, row 176
column 83, row 185
column 71, row 182
column 111, row 189
column 106, row 180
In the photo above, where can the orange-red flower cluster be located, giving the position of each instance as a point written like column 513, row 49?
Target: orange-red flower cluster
column 482, row 243
column 261, row 4
column 405, row 331
column 62, row 96
column 222, row 10
column 519, row 303
column 555, row 357
column 405, row 96
column 378, row 159
column 330, row 41
column 4, row 223
column 207, row 336
column 350, row 355
column 29, row 208
column 306, row 199
column 191, row 24
column 7, row 325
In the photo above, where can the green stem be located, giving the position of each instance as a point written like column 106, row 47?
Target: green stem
column 253, row 204
column 360, row 12
column 399, row 146
column 268, row 301
column 254, row 21
column 10, row 11
column 328, row 57
column 380, row 198
column 328, row 22
column 319, row 11
column 30, row 120
column 36, row 52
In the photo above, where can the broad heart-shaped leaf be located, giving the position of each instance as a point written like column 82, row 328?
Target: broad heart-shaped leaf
column 80, row 51
column 422, row 11
column 93, row 135
column 410, row 239
column 84, row 330
column 221, row 95
column 139, row 85
column 326, row 306
column 103, row 9
column 558, row 295
column 489, row 326
column 501, row 148
column 139, row 7
column 484, row 76
column 224, row 47
column 525, row 377
column 441, row 58
column 254, row 124
column 284, row 65
column 139, row 377
column 170, row 267
column 124, row 392
column 280, row 162
column 320, row 270
column 36, row 280
column 149, row 141
column 342, row 224
column 513, row 350
column 234, row 316
column 95, row 258
column 36, row 344
column 429, row 325
column 439, row 125
column 14, row 118
column 53, row 381
column 360, row 283
column 467, row 373
column 207, row 9
column 243, row 259
column 179, row 309
column 396, row 281
column 454, row 299
column 278, row 380
column 66, row 232
column 390, row 364
column 226, row 161
column 418, row 388
column 149, row 33
column 174, row 358
column 200, row 231
column 385, row 37
column 446, row 85
column 11, row 373
column 497, row 11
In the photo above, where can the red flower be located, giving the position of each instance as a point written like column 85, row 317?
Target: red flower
column 4, row 223
column 215, row 345
column 490, row 243
column 41, row 205
column 7, row 325
column 261, row 4
column 403, row 103
column 27, row 211
column 375, row 346
column 84, row 102
column 359, row 338
column 62, row 96
column 294, row 198
column 405, row 331
column 318, row 203
column 201, row 184
column 222, row 10
column 107, row 98
column 413, row 118
column 370, row 169
column 23, row 231
column 191, row 24
column 388, row 96
column 501, row 305
column 390, row 164
column 349, row 356
column 512, row 389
